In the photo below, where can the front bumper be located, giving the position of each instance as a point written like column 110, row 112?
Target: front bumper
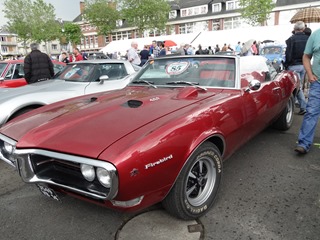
column 59, row 170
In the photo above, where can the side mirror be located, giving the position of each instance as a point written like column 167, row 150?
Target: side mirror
column 103, row 78
column 253, row 85
column 1, row 79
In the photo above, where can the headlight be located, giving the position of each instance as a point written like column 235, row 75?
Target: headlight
column 88, row 172
column 104, row 177
column 8, row 147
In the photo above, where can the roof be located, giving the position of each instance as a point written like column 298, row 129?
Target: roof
column 281, row 3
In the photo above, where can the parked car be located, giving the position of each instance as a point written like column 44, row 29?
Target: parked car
column 163, row 138
column 276, row 54
column 12, row 73
column 75, row 79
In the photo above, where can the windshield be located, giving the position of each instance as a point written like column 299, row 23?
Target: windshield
column 271, row 50
column 202, row 71
column 89, row 72
column 2, row 67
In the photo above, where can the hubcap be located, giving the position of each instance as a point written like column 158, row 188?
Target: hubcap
column 200, row 181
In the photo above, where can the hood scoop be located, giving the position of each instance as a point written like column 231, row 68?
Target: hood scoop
column 133, row 103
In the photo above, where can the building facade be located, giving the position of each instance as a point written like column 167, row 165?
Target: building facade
column 8, row 45
column 191, row 16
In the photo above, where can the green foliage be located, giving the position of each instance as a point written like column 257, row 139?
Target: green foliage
column 43, row 22
column 32, row 20
column 256, row 12
column 102, row 14
column 18, row 21
column 72, row 33
column 146, row 14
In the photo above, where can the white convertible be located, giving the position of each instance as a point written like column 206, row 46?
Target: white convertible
column 74, row 80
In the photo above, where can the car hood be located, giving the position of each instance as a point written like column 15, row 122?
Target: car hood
column 44, row 86
column 89, row 124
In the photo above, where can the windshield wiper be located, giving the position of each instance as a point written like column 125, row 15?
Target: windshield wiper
column 195, row 84
column 146, row 82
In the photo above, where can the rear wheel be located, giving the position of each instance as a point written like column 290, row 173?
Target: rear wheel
column 285, row 120
column 195, row 190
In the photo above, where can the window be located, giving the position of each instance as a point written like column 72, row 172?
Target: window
column 172, row 14
column 54, row 47
column 216, row 7
column 231, row 23
column 215, row 24
column 193, row 27
column 119, row 23
column 232, row 5
column 193, row 11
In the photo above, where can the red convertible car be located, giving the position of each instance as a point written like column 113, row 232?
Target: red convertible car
column 12, row 73
column 163, row 138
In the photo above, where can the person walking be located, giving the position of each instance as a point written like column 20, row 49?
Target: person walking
column 311, row 117
column 294, row 53
column 37, row 65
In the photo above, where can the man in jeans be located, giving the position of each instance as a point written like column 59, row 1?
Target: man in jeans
column 311, row 117
column 294, row 52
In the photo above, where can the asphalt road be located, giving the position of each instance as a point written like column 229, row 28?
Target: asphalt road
column 268, row 192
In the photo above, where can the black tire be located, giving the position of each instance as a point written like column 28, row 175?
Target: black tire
column 196, row 187
column 284, row 122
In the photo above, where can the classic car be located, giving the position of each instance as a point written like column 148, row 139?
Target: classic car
column 12, row 73
column 275, row 53
column 75, row 79
column 163, row 138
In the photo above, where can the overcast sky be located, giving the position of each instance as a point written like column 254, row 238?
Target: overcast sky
column 65, row 9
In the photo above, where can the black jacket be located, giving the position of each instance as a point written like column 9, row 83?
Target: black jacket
column 37, row 66
column 295, row 48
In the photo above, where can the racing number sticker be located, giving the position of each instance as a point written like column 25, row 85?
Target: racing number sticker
column 177, row 68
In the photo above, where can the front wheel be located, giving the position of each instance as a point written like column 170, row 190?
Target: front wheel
column 285, row 120
column 196, row 187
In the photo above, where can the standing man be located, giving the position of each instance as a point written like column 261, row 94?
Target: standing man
column 37, row 65
column 77, row 55
column 294, row 53
column 132, row 54
column 311, row 117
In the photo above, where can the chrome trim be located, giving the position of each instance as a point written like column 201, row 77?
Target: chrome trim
column 27, row 174
column 12, row 142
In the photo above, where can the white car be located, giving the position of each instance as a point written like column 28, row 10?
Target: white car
column 74, row 80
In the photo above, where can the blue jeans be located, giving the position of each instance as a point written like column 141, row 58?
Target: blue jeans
column 311, row 117
column 300, row 96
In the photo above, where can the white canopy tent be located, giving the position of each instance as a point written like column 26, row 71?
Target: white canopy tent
column 278, row 33
column 123, row 45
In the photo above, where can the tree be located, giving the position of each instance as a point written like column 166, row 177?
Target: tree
column 256, row 12
column 32, row 20
column 102, row 14
column 146, row 14
column 18, row 21
column 45, row 27
column 72, row 33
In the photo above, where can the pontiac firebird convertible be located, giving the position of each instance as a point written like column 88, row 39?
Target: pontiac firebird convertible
column 163, row 138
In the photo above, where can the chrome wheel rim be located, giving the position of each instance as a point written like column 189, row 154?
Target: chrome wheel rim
column 289, row 110
column 200, row 181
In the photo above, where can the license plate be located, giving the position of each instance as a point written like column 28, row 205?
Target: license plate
column 48, row 192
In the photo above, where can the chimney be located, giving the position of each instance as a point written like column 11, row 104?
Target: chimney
column 82, row 6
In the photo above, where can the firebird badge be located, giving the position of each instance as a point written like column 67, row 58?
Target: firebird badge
column 162, row 160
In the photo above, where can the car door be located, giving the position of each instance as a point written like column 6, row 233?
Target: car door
column 14, row 76
column 263, row 104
